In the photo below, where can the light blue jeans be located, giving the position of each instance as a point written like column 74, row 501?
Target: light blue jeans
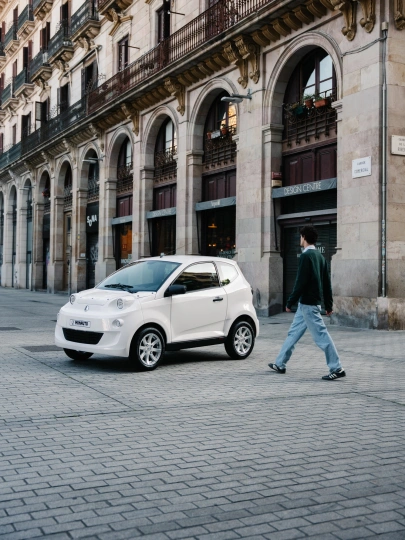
column 309, row 317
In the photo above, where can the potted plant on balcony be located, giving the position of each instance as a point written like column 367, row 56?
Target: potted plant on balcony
column 321, row 101
column 46, row 193
column 297, row 109
column 308, row 100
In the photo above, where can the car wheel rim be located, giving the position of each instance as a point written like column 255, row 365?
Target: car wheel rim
column 243, row 340
column 150, row 349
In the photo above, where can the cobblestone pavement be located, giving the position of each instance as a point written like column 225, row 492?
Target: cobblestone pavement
column 204, row 447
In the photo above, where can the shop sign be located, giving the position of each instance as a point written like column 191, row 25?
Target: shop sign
column 227, row 254
column 302, row 189
column 398, row 145
column 161, row 213
column 92, row 218
column 361, row 167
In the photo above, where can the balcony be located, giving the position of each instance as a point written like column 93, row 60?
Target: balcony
column 10, row 155
column 165, row 166
column 60, row 48
column 11, row 39
column 308, row 124
column 2, row 55
column 40, row 69
column 93, row 190
column 220, row 148
column 8, row 99
column 118, row 5
column 41, row 8
column 85, row 24
column 124, row 179
column 25, row 22
column 67, row 197
column 23, row 85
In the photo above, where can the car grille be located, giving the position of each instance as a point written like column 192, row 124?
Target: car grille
column 79, row 336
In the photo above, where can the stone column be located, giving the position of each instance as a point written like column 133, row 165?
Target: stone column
column 56, row 264
column 193, row 196
column 107, row 211
column 142, row 203
column 6, row 271
column 21, row 247
column 79, row 239
column 182, row 242
column 37, row 245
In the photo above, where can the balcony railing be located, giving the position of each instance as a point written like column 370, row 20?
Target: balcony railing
column 39, row 60
column 7, row 93
column 60, row 39
column 27, row 14
column 87, row 12
column 93, row 189
column 22, row 78
column 11, row 35
column 302, row 123
column 67, row 197
column 220, row 148
column 165, row 165
column 10, row 155
column 124, row 178
column 2, row 53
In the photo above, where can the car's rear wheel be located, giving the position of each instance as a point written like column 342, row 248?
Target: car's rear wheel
column 240, row 341
column 78, row 355
column 148, row 349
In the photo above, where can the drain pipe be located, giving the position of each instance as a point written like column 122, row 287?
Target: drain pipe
column 384, row 28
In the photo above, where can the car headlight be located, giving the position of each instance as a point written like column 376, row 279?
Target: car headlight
column 117, row 323
column 72, row 298
column 120, row 303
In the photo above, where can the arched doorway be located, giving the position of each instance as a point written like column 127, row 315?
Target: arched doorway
column 92, row 216
column 29, row 237
column 46, row 227
column 67, row 227
column 13, row 202
column 217, row 211
column 1, row 232
column 162, row 220
column 309, row 160
column 123, row 222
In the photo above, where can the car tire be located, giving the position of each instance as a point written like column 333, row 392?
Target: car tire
column 147, row 349
column 240, row 340
column 78, row 355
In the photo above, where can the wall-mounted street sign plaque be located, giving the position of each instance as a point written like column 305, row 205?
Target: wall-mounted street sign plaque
column 398, row 145
column 361, row 167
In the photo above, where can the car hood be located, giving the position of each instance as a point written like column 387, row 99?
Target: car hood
column 100, row 297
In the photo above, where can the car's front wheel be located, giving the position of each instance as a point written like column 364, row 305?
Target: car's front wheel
column 148, row 349
column 78, row 355
column 240, row 341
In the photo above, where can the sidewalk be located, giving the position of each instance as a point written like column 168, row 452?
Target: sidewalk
column 204, row 447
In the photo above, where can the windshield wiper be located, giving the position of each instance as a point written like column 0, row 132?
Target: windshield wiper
column 119, row 286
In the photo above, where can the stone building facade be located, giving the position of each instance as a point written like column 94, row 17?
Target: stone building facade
column 116, row 142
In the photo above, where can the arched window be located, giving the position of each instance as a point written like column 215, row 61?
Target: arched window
column 165, row 150
column 220, row 126
column 46, row 193
column 124, row 159
column 67, row 189
column 1, row 230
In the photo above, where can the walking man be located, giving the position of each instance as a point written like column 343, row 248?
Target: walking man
column 312, row 281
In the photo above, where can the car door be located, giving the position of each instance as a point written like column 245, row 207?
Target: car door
column 200, row 313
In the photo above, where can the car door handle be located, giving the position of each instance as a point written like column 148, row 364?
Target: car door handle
column 218, row 299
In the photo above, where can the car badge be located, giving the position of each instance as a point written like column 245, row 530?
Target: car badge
column 87, row 308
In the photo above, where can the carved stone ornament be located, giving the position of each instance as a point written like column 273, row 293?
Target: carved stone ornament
column 70, row 149
column 132, row 113
column 368, row 20
column 86, row 43
column 348, row 8
column 61, row 65
column 235, row 58
column 249, row 50
column 178, row 90
column 95, row 131
column 116, row 18
column 399, row 14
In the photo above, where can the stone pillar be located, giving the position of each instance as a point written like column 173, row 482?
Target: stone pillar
column 107, row 211
column 21, row 247
column 37, row 245
column 6, row 271
column 142, row 203
column 182, row 242
column 56, row 264
column 79, row 239
column 193, row 196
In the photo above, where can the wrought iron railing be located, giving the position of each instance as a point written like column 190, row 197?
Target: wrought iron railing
column 303, row 123
column 39, row 60
column 7, row 93
column 10, row 155
column 87, row 12
column 60, row 39
column 37, row 3
column 11, row 34
column 47, row 206
column 67, row 197
column 124, row 178
column 220, row 148
column 2, row 53
column 165, row 164
column 22, row 78
column 27, row 14
column 93, row 189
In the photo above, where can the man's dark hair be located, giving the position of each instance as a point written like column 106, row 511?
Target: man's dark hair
column 309, row 233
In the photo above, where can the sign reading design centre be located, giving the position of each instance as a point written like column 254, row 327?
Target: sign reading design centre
column 302, row 189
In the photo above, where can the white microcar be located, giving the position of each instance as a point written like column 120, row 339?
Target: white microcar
column 161, row 304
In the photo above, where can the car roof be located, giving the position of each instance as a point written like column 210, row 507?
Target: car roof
column 188, row 259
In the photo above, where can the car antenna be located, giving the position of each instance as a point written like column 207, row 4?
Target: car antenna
column 162, row 255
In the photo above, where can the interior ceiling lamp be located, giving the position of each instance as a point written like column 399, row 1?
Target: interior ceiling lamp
column 213, row 226
column 237, row 98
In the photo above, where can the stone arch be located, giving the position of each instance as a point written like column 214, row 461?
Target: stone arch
column 285, row 65
column 12, row 195
column 91, row 150
column 209, row 92
column 44, row 176
column 60, row 174
column 151, row 131
column 114, row 149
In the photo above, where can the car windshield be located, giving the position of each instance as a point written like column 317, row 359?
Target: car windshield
column 139, row 276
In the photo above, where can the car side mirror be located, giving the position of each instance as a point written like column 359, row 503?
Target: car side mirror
column 173, row 290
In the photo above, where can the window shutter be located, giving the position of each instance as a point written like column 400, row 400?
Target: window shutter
column 47, row 35
column 95, row 74
column 41, row 39
column 1, row 143
column 29, row 52
column 25, row 57
column 58, row 99
column 38, row 111
column 83, row 82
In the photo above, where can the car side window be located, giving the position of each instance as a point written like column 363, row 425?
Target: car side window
column 228, row 273
column 199, row 276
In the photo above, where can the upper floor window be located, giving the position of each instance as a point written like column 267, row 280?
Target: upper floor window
column 63, row 98
column 123, row 53
column 165, row 150
column 221, row 115
column 163, row 21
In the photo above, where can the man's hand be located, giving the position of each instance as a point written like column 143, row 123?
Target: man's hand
column 288, row 310
column 329, row 313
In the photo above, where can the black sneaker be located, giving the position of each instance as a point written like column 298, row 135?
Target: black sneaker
column 335, row 375
column 276, row 368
